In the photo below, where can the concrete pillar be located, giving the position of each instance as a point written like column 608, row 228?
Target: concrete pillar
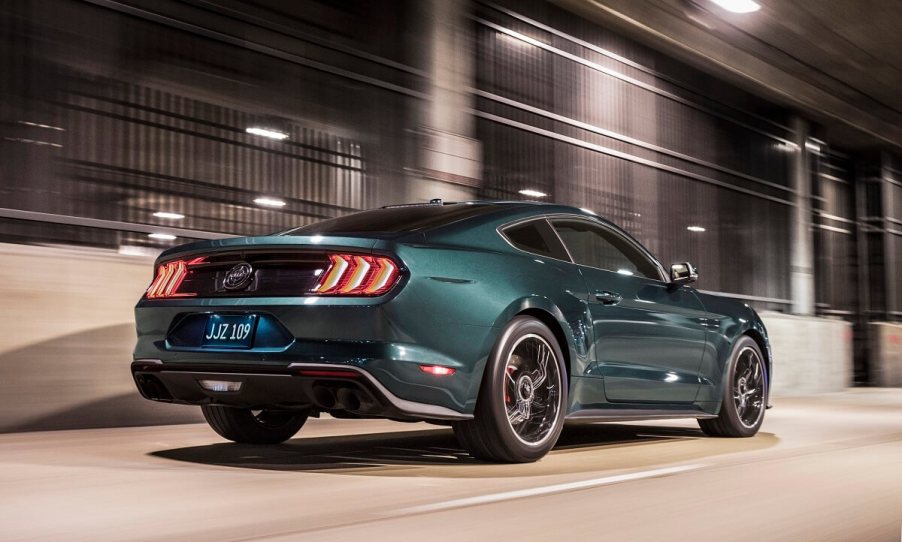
column 449, row 155
column 890, row 257
column 801, row 247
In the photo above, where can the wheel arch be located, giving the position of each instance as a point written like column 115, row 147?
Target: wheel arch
column 568, row 320
column 762, row 343
column 549, row 320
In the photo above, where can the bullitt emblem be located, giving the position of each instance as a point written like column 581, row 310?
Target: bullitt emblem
column 238, row 277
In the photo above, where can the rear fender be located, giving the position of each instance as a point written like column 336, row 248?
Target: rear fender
column 573, row 326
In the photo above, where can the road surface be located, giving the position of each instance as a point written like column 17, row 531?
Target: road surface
column 823, row 468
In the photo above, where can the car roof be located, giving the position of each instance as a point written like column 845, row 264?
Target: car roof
column 508, row 211
column 420, row 217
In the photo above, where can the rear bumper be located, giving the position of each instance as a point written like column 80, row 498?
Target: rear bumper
column 389, row 342
column 326, row 387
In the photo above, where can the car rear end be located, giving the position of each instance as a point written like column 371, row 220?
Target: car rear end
column 341, row 323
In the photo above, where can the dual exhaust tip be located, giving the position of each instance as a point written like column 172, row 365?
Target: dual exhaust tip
column 324, row 397
column 342, row 398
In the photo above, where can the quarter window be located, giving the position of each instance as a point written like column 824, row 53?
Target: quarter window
column 599, row 247
column 536, row 237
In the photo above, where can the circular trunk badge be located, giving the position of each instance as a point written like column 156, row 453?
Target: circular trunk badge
column 238, row 277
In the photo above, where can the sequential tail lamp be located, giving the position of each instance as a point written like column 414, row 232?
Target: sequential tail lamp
column 438, row 370
column 352, row 274
column 169, row 277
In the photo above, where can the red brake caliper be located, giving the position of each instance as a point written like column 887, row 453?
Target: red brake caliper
column 507, row 397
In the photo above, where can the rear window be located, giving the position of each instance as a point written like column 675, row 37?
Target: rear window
column 396, row 219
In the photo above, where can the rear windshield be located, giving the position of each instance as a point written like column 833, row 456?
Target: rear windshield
column 396, row 219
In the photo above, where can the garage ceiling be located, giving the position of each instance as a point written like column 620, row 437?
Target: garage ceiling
column 838, row 61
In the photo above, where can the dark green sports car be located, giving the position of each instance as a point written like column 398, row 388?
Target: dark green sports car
column 501, row 319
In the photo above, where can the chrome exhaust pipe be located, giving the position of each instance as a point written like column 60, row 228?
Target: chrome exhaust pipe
column 349, row 399
column 324, row 397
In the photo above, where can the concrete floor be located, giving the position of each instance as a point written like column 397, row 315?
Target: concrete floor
column 823, row 468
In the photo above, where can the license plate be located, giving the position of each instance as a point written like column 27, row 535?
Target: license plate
column 230, row 331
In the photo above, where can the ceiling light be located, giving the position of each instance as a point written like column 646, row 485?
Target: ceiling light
column 738, row 6
column 267, row 132
column 787, row 146
column 812, row 146
column 134, row 250
column 161, row 236
column 516, row 39
column 698, row 229
column 270, row 202
column 171, row 216
column 533, row 193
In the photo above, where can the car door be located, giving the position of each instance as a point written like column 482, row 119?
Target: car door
column 648, row 336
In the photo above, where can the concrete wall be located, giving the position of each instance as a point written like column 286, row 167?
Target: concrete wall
column 886, row 351
column 66, row 339
column 811, row 355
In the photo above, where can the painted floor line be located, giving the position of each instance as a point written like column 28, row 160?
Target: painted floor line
column 548, row 490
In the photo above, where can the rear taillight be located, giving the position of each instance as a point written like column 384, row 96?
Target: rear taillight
column 352, row 274
column 169, row 277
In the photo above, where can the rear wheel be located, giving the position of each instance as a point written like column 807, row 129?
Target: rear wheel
column 745, row 394
column 253, row 426
column 522, row 400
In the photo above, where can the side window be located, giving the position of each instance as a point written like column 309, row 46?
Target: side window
column 536, row 238
column 599, row 247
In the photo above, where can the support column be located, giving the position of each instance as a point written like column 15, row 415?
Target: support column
column 801, row 245
column 890, row 258
column 449, row 155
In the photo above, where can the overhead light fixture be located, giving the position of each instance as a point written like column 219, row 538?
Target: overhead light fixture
column 738, row 6
column 39, row 125
column 267, row 132
column 812, row 146
column 697, row 229
column 515, row 39
column 270, row 202
column 171, row 216
column 135, row 250
column 787, row 146
column 533, row 193
column 161, row 236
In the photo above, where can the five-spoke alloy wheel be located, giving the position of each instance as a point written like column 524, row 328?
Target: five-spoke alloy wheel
column 745, row 394
column 522, row 401
column 532, row 389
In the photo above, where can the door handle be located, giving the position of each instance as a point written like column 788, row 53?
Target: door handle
column 608, row 298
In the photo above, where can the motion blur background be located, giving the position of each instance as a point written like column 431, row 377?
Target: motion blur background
column 763, row 147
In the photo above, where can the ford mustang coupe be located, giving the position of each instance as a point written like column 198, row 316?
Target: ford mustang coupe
column 501, row 319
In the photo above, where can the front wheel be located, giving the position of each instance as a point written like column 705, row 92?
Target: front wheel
column 522, row 400
column 745, row 394
column 253, row 426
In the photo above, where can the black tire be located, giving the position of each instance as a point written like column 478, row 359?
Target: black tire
column 490, row 435
column 735, row 420
column 253, row 427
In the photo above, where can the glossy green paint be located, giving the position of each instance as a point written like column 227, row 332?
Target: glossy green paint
column 648, row 347
column 462, row 283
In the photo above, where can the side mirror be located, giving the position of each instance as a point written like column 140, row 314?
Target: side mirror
column 682, row 273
